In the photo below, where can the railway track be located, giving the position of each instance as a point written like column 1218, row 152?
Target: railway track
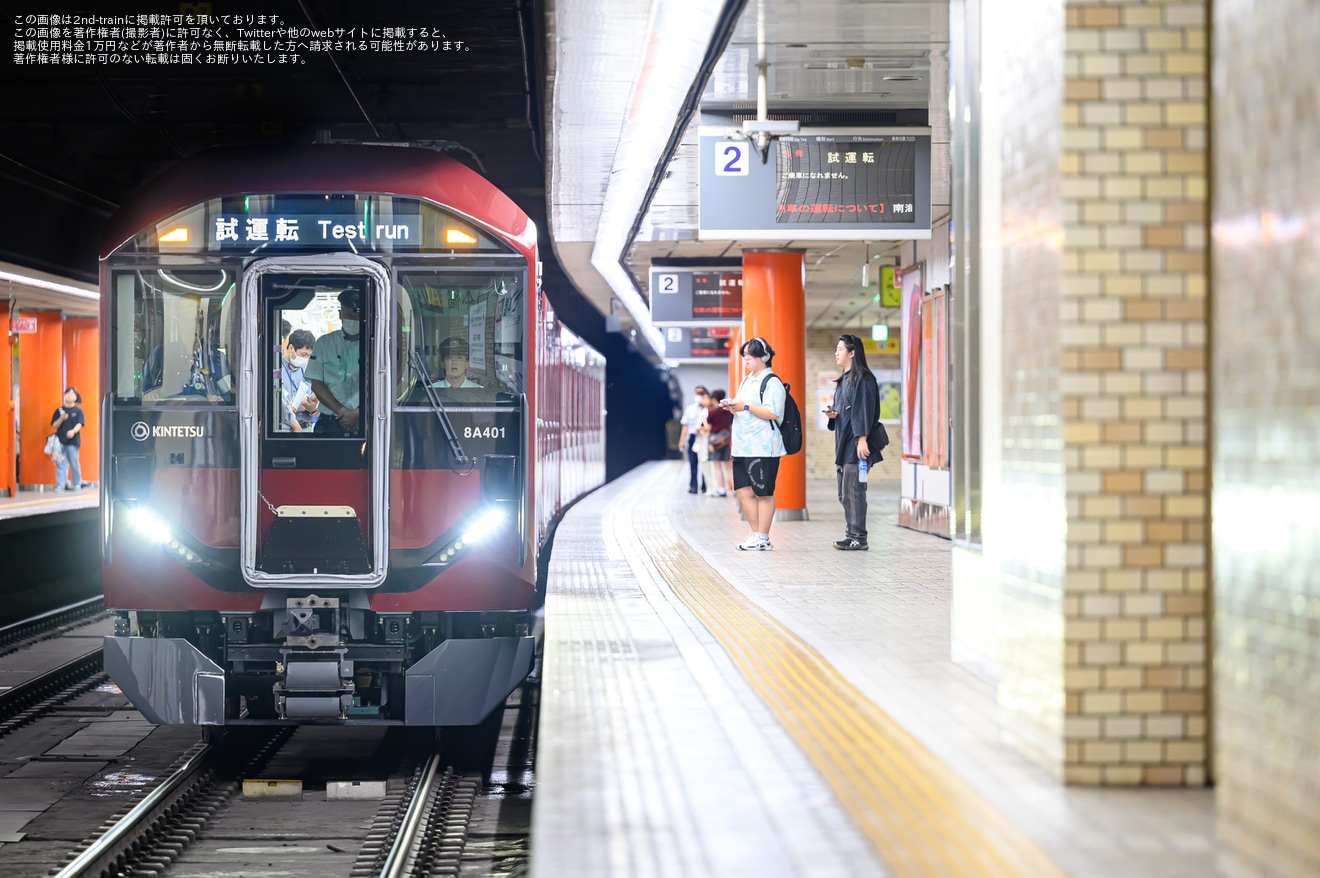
column 36, row 697
column 53, row 623
column 421, row 831
column 420, row 828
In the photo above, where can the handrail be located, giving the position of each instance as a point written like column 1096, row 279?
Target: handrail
column 104, row 848
column 397, row 862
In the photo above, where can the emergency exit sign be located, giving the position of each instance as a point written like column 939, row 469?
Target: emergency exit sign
column 24, row 325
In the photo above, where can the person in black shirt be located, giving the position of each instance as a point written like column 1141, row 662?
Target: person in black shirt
column 68, row 422
column 852, row 416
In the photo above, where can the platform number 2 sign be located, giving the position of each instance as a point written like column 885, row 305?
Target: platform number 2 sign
column 667, row 283
column 731, row 159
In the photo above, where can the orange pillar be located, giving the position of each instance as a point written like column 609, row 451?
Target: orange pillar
column 8, row 475
column 41, row 386
column 774, row 308
column 82, row 369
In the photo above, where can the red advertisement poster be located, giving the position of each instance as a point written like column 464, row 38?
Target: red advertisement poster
column 911, row 361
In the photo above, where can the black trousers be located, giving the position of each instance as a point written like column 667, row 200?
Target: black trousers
column 694, row 466
column 852, row 494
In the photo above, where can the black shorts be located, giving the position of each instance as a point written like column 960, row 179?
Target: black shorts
column 757, row 473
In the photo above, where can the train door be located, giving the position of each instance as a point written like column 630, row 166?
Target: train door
column 315, row 434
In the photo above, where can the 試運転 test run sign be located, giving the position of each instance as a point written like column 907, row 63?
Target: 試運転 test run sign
column 819, row 185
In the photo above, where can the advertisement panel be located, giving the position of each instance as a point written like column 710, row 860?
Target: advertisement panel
column 911, row 360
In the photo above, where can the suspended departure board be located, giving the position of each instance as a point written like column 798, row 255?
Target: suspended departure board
column 683, row 297
column 700, row 343
column 816, row 185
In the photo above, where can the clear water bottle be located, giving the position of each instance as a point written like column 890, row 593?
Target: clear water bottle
column 861, row 470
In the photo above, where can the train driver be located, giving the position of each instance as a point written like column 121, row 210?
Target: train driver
column 335, row 369
column 454, row 360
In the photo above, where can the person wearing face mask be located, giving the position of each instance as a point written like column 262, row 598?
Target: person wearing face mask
column 335, row 370
column 688, row 437
column 299, row 403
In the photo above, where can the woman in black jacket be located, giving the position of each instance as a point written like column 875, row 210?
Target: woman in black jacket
column 853, row 414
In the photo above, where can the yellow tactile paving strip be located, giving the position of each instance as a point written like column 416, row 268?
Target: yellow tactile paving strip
column 922, row 819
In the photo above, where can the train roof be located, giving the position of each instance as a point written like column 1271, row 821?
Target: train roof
column 388, row 170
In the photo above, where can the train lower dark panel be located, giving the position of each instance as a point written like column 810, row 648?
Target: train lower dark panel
column 171, row 682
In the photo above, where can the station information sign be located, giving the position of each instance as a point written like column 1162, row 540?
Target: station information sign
column 24, row 325
column 700, row 343
column 683, row 297
column 820, row 185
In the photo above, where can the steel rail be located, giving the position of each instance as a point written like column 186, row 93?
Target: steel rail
column 413, row 819
column 14, row 627
column 22, row 696
column 103, row 852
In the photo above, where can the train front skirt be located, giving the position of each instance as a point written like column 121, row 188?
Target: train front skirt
column 458, row 683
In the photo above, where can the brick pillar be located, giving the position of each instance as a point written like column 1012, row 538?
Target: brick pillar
column 1133, row 393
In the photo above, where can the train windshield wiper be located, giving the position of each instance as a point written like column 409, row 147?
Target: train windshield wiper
column 415, row 357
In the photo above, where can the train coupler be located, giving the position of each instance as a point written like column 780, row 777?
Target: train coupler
column 314, row 689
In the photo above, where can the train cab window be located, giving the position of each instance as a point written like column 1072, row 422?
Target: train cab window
column 175, row 336
column 461, row 330
column 314, row 355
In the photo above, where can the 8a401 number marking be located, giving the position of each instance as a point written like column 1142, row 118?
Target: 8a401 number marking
column 483, row 432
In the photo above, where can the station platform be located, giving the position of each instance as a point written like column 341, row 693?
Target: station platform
column 28, row 504
column 708, row 711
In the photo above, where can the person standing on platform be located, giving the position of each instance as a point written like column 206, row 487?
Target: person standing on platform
column 68, row 422
column 719, row 422
column 757, row 445
column 688, row 437
column 852, row 416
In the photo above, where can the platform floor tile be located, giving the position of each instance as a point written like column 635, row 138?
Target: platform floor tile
column 646, row 580
column 654, row 757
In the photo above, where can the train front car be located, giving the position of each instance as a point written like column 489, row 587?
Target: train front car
column 319, row 394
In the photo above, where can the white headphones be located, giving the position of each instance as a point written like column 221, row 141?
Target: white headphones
column 765, row 346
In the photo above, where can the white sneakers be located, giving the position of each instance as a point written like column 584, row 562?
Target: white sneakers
column 756, row 543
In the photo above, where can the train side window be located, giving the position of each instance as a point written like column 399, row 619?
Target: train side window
column 175, row 336
column 467, row 324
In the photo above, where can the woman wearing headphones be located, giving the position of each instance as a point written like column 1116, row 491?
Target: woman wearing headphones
column 757, row 445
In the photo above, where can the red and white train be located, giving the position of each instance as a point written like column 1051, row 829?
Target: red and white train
column 340, row 418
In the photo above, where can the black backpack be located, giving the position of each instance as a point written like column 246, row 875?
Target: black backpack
column 790, row 428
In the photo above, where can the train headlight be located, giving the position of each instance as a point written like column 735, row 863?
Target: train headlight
column 149, row 526
column 486, row 524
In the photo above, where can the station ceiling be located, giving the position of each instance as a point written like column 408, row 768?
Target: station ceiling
column 851, row 60
column 77, row 141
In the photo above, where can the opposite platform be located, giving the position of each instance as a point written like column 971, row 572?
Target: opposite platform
column 710, row 711
column 30, row 504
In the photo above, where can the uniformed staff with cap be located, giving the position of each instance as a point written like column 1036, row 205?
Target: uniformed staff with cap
column 335, row 370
